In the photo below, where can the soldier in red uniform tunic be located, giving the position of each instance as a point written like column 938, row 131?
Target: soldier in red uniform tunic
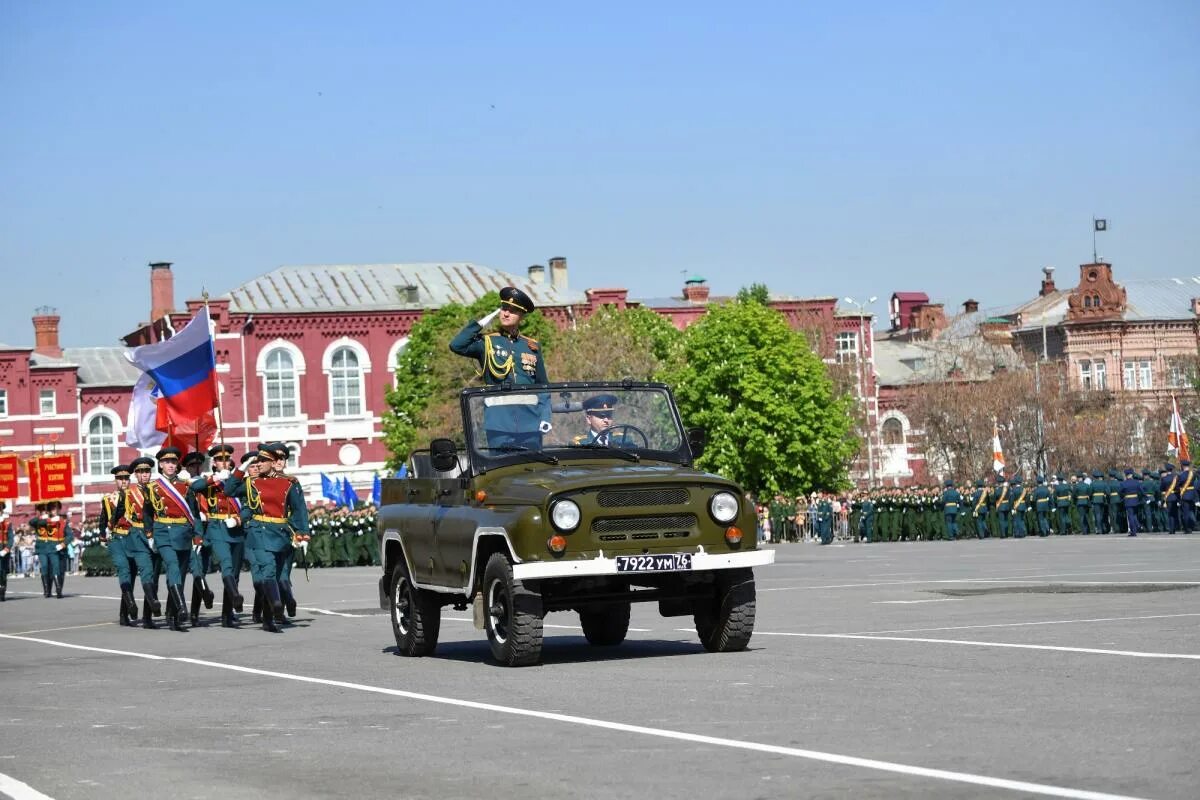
column 115, row 528
column 53, row 536
column 224, row 528
column 171, row 512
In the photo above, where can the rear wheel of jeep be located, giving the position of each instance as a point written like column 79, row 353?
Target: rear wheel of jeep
column 726, row 622
column 607, row 625
column 512, row 615
column 416, row 615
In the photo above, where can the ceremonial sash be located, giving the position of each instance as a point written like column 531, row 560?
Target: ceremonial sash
column 1171, row 489
column 174, row 494
column 1020, row 499
column 982, row 497
column 1187, row 485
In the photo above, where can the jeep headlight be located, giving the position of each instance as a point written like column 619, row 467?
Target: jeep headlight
column 724, row 507
column 565, row 515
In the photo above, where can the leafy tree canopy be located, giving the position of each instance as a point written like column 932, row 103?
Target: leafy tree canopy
column 774, row 421
column 613, row 344
column 754, row 293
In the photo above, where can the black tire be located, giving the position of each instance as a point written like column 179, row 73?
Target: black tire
column 416, row 615
column 512, row 615
column 605, row 626
column 726, row 623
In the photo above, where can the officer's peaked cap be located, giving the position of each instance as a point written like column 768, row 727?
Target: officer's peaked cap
column 516, row 300
column 121, row 471
column 168, row 453
column 141, row 461
column 600, row 402
column 220, row 449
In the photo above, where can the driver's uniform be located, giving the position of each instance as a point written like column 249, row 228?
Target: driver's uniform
column 508, row 420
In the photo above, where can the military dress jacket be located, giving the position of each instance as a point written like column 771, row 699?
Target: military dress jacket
column 506, row 359
column 276, row 506
column 170, row 514
column 219, row 508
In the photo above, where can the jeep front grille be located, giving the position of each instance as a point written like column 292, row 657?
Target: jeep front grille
column 664, row 522
column 623, row 498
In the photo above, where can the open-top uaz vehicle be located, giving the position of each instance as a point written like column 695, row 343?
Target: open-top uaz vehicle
column 518, row 521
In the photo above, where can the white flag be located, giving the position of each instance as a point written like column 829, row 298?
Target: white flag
column 141, row 429
column 997, row 453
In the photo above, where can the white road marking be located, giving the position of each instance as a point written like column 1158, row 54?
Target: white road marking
column 1089, row 650
column 68, row 628
column 336, row 613
column 546, row 625
column 910, row 602
column 1005, row 579
column 18, row 790
column 1025, row 624
column 661, row 733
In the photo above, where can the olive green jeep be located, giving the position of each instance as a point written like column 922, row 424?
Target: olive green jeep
column 566, row 497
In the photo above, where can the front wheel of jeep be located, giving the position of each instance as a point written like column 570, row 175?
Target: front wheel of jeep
column 726, row 622
column 512, row 615
column 416, row 615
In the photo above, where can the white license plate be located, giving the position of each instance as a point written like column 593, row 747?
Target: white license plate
column 655, row 562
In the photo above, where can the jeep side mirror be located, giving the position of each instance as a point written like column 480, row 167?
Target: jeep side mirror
column 443, row 455
column 697, row 438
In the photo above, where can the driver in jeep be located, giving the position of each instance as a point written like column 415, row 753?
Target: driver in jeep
column 598, row 414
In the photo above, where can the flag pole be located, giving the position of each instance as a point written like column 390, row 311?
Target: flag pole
column 220, row 413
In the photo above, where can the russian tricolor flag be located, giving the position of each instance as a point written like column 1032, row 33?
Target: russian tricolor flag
column 183, row 368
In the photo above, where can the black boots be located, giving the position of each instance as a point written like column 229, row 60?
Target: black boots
column 205, row 592
column 272, row 606
column 176, row 607
column 257, row 614
column 129, row 609
column 289, row 599
column 147, row 619
column 46, row 579
column 150, row 590
column 194, row 616
column 232, row 589
column 227, row 618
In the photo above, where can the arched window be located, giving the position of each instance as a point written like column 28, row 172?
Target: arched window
column 1087, row 301
column 101, row 445
column 279, row 379
column 345, row 383
column 892, row 431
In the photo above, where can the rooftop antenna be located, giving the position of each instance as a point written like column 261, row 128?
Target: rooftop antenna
column 1098, row 226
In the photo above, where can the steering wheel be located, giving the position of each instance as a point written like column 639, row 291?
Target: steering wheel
column 625, row 436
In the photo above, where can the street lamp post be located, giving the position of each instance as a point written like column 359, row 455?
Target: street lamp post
column 860, row 353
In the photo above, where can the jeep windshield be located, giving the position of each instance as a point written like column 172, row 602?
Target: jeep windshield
column 566, row 421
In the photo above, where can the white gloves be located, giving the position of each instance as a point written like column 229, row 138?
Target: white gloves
column 545, row 427
column 221, row 476
column 150, row 541
column 485, row 321
column 54, row 518
column 184, row 475
column 4, row 553
column 60, row 547
column 231, row 522
column 304, row 547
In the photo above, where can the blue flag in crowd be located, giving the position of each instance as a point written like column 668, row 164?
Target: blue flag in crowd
column 330, row 490
column 403, row 471
column 349, row 497
column 377, row 492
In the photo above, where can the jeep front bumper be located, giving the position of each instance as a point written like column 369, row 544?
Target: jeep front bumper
column 602, row 565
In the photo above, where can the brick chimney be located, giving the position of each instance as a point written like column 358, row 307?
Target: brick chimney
column 558, row 273
column 970, row 306
column 537, row 274
column 45, row 332
column 162, row 290
column 695, row 290
column 1047, row 282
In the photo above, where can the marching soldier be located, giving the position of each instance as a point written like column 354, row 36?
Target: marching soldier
column 1083, row 503
column 139, row 543
column 1062, row 506
column 7, row 536
column 1003, row 505
column 979, row 509
column 1041, row 505
column 1131, row 492
column 171, row 513
column 1187, row 496
column 951, row 500
column 114, row 525
column 53, row 536
column 1020, row 506
column 868, row 517
column 279, row 514
column 1150, row 496
column 200, row 560
column 300, row 541
column 1169, row 483
column 223, row 528
column 506, row 356
column 1099, row 501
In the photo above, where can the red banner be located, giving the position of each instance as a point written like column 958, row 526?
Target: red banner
column 55, row 478
column 31, row 469
column 9, row 463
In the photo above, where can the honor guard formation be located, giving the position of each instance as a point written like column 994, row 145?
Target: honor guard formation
column 179, row 524
column 1112, row 501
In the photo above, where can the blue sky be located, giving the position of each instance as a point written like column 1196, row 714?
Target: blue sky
column 821, row 149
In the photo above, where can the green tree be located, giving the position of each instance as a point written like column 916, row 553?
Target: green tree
column 774, row 420
column 613, row 344
column 754, row 293
column 423, row 404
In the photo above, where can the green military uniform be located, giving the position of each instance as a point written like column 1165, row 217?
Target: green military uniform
column 116, row 528
column 1042, row 503
column 54, row 535
column 1062, row 506
column 1003, row 508
column 1083, row 505
column 1020, row 505
column 224, row 533
column 172, row 513
column 951, row 506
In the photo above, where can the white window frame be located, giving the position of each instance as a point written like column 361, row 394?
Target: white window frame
column 846, row 355
column 1177, row 373
column 1085, row 375
column 364, row 369
column 394, row 355
column 1100, row 378
column 98, row 467
column 298, row 370
column 43, row 396
column 3, row 402
column 1145, row 374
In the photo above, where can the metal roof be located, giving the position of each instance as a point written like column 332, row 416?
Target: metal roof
column 102, row 366
column 355, row 287
column 1146, row 299
column 42, row 361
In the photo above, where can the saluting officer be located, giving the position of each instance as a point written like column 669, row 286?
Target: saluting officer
column 223, row 528
column 53, row 536
column 139, row 544
column 278, row 512
column 506, row 356
column 201, row 558
column 171, row 513
column 115, row 527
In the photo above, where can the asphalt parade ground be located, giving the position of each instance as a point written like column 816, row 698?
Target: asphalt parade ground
column 1060, row 667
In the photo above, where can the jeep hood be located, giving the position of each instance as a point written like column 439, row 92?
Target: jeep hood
column 532, row 484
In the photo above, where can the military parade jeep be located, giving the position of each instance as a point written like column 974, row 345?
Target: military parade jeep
column 520, row 518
